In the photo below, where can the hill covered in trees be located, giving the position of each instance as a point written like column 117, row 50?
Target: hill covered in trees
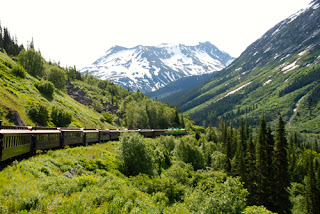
column 278, row 74
column 36, row 92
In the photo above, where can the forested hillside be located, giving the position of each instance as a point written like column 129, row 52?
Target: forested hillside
column 36, row 92
column 277, row 74
column 222, row 170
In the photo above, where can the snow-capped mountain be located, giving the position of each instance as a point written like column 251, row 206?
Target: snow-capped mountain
column 149, row 68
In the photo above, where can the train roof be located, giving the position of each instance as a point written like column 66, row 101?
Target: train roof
column 15, row 131
column 49, row 131
column 90, row 131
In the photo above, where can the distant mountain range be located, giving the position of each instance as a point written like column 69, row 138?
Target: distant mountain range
column 148, row 68
column 277, row 74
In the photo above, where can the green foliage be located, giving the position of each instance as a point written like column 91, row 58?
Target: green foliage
column 32, row 61
column 60, row 117
column 19, row 71
column 97, row 105
column 58, row 77
column 256, row 210
column 141, row 112
column 45, row 87
column 188, row 152
column 281, row 173
column 39, row 113
column 108, row 117
column 134, row 155
column 226, row 197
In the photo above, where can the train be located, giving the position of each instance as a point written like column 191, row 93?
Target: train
column 21, row 140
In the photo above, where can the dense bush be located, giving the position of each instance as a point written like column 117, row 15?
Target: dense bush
column 97, row 105
column 134, row 155
column 58, row 77
column 107, row 117
column 39, row 113
column 188, row 152
column 32, row 61
column 19, row 71
column 60, row 117
column 45, row 87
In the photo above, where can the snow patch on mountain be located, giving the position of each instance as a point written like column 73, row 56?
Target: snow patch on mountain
column 148, row 68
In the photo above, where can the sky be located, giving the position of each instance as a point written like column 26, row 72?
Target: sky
column 77, row 32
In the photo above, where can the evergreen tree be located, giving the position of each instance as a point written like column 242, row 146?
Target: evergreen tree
column 251, row 172
column 316, row 146
column 6, row 40
column 262, row 165
column 292, row 162
column 270, row 169
column 312, row 192
column 176, row 117
column 239, row 159
column 182, row 121
column 281, row 175
column 228, row 140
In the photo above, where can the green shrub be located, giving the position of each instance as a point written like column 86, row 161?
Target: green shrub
column 38, row 113
column 18, row 70
column 97, row 105
column 256, row 210
column 58, row 77
column 60, row 117
column 45, row 87
column 134, row 154
column 108, row 117
column 32, row 61
column 187, row 152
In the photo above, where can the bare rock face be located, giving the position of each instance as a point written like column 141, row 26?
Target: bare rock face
column 15, row 117
column 80, row 96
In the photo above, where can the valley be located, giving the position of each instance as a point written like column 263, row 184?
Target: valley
column 171, row 128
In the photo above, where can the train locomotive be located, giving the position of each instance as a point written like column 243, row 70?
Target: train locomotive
column 19, row 140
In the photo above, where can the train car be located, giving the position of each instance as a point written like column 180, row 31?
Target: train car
column 15, row 142
column 159, row 132
column 146, row 132
column 16, row 127
column 72, row 137
column 114, row 134
column 175, row 132
column 91, row 136
column 46, row 139
column 104, row 135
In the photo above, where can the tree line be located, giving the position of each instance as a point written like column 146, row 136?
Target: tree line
column 8, row 43
column 280, row 170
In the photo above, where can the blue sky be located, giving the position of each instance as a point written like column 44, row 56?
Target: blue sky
column 78, row 32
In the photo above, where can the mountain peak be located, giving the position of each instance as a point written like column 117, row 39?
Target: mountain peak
column 148, row 68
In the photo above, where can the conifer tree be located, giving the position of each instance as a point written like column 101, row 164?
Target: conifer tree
column 182, row 121
column 226, row 141
column 239, row 159
column 262, row 165
column 281, row 175
column 251, row 172
column 228, row 138
column 312, row 192
column 176, row 117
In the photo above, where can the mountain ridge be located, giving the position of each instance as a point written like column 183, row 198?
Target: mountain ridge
column 148, row 68
column 269, row 77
